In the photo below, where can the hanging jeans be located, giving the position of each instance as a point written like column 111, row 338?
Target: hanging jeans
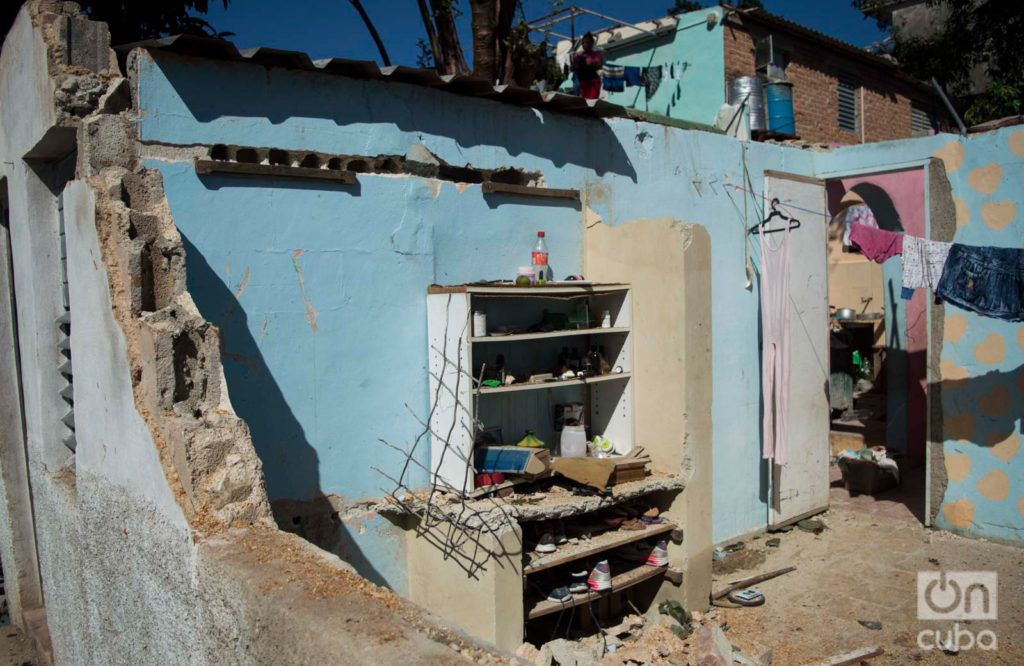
column 775, row 346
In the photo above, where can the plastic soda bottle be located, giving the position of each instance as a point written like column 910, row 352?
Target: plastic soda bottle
column 539, row 259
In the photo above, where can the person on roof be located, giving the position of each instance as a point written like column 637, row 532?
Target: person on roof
column 586, row 65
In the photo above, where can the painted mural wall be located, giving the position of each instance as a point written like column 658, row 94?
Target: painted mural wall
column 982, row 359
column 320, row 290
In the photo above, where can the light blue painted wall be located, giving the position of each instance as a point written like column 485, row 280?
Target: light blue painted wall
column 698, row 50
column 318, row 401
column 975, row 415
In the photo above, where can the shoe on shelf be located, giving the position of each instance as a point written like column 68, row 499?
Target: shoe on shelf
column 632, row 525
column 559, row 533
column 601, row 577
column 579, row 582
column 546, row 543
column 659, row 555
column 560, row 594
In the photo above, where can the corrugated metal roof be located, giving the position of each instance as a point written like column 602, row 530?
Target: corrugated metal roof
column 460, row 84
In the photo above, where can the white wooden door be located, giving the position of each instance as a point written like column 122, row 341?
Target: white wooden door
column 800, row 487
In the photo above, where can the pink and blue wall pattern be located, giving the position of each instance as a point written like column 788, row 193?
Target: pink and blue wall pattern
column 982, row 359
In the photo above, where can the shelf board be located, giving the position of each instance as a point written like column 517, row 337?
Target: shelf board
column 557, row 289
column 551, row 385
column 602, row 542
column 491, row 187
column 204, row 167
column 619, row 583
column 550, row 334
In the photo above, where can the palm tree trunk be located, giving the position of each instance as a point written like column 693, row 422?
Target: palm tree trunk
column 454, row 62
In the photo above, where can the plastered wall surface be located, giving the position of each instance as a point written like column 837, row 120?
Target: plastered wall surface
column 403, row 232
column 696, row 91
column 980, row 372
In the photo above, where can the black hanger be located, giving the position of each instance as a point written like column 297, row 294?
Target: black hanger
column 759, row 228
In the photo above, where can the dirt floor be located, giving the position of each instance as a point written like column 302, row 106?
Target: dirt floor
column 864, row 567
column 16, row 649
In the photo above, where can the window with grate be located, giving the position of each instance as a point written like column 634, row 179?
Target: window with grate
column 847, row 103
column 922, row 123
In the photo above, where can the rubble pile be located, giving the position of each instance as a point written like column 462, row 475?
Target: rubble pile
column 671, row 636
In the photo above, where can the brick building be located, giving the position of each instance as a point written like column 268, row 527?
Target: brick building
column 841, row 94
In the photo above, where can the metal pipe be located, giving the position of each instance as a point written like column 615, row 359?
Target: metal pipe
column 949, row 106
column 552, row 14
column 614, row 20
column 549, row 32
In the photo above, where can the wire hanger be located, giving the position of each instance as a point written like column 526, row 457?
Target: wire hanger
column 761, row 227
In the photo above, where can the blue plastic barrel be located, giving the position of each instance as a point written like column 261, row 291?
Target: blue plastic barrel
column 779, row 96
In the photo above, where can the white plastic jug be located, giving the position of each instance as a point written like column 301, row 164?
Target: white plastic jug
column 574, row 442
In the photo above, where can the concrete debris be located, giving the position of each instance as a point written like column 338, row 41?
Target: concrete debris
column 711, row 647
column 528, row 653
column 652, row 640
column 79, row 95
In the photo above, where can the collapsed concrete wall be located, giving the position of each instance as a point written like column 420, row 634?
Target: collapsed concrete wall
column 117, row 493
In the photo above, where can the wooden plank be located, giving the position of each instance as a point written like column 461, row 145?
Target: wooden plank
column 751, row 580
column 606, row 541
column 852, row 657
column 550, row 385
column 549, row 334
column 490, row 187
column 204, row 167
column 619, row 583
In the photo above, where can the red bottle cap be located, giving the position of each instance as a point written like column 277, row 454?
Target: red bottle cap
column 540, row 234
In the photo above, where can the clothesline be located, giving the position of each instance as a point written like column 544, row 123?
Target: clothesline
column 988, row 281
column 782, row 203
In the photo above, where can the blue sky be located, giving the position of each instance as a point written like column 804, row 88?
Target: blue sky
column 329, row 28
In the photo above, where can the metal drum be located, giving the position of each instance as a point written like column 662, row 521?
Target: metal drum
column 749, row 88
column 780, row 107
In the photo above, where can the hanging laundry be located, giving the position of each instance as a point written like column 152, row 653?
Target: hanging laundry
column 923, row 261
column 986, row 280
column 651, row 78
column 614, row 78
column 857, row 214
column 878, row 245
column 633, row 76
column 775, row 345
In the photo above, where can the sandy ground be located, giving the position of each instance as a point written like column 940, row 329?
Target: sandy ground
column 16, row 649
column 864, row 567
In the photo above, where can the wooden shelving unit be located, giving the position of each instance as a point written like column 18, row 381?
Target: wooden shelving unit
column 516, row 337
column 619, row 376
column 455, row 357
column 456, row 363
column 621, row 582
column 602, row 542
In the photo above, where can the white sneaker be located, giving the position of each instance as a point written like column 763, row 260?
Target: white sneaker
column 579, row 582
column 546, row 543
column 601, row 577
column 659, row 555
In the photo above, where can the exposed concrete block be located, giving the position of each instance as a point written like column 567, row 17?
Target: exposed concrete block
column 222, row 475
column 105, row 141
column 144, row 191
column 180, row 362
column 88, row 45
